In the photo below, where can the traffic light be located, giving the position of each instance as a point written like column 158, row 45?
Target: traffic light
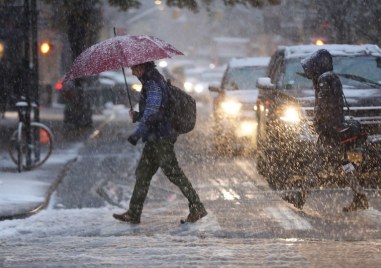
column 319, row 42
column 45, row 48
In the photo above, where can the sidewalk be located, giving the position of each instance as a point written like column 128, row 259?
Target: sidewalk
column 25, row 193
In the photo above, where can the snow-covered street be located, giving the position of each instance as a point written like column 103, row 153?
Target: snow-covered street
column 190, row 133
column 92, row 238
column 248, row 224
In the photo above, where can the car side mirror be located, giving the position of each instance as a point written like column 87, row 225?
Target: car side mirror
column 214, row 88
column 265, row 83
column 378, row 60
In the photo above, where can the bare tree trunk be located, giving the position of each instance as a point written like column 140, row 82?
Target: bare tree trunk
column 78, row 113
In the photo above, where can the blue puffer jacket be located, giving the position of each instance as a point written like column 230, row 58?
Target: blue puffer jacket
column 153, row 120
column 329, row 102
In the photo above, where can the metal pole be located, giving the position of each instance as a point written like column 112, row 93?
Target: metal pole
column 26, row 82
column 34, row 77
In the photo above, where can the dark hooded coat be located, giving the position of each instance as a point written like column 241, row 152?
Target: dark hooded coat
column 329, row 102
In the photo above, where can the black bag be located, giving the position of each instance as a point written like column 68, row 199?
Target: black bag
column 182, row 109
column 352, row 130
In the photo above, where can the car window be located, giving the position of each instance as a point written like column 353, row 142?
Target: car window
column 353, row 69
column 276, row 72
column 294, row 77
column 242, row 78
column 353, row 72
column 276, row 67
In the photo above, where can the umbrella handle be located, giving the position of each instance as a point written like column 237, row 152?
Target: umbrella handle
column 128, row 92
column 125, row 80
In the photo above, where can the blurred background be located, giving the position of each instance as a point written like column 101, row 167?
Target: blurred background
column 210, row 33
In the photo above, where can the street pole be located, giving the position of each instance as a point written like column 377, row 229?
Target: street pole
column 26, row 81
column 34, row 76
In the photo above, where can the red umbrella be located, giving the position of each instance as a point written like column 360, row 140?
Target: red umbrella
column 118, row 52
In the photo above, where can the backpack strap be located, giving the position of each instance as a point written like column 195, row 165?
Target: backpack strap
column 346, row 103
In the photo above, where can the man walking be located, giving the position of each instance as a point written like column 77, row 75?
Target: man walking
column 157, row 133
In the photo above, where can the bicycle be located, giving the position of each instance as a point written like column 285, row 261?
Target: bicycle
column 29, row 148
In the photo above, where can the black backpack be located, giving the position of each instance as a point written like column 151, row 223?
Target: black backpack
column 181, row 109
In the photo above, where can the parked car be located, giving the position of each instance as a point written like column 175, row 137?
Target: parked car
column 286, row 104
column 233, row 106
column 106, row 87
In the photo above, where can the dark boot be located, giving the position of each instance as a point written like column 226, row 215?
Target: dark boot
column 126, row 218
column 359, row 202
column 195, row 216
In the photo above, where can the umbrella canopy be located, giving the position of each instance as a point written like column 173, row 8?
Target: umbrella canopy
column 118, row 52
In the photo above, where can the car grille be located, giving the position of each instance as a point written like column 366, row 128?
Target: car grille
column 308, row 112
column 248, row 106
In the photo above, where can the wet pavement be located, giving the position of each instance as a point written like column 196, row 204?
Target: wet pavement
column 248, row 224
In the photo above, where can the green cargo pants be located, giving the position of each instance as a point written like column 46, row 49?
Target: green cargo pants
column 160, row 153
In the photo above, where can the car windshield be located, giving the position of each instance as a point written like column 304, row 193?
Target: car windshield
column 354, row 72
column 243, row 77
column 211, row 77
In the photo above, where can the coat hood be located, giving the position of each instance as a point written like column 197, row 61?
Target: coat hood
column 317, row 63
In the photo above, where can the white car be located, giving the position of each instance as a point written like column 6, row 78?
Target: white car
column 234, row 104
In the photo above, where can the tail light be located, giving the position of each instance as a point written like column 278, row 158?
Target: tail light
column 58, row 86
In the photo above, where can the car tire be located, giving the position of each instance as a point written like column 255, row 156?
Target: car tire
column 221, row 143
column 270, row 164
column 261, row 164
column 261, row 154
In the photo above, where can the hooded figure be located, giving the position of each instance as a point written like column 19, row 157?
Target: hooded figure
column 329, row 120
column 329, row 102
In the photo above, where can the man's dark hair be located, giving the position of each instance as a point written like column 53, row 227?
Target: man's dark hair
column 149, row 65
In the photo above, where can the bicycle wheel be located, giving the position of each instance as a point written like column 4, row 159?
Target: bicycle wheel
column 21, row 145
column 41, row 146
column 15, row 147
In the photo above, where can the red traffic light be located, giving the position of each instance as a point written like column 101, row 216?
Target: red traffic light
column 59, row 84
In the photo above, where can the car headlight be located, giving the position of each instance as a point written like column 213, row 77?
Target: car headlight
column 198, row 88
column 137, row 87
column 163, row 63
column 188, row 86
column 231, row 107
column 290, row 114
column 246, row 128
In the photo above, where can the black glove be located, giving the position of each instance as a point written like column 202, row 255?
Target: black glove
column 133, row 139
column 135, row 116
